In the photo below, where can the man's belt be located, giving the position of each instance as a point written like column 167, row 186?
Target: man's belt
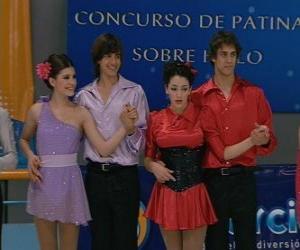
column 100, row 167
column 230, row 171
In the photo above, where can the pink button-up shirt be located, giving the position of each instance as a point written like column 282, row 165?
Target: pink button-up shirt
column 107, row 119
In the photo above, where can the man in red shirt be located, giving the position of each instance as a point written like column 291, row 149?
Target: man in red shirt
column 237, row 122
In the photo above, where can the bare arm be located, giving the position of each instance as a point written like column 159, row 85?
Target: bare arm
column 259, row 136
column 104, row 147
column 237, row 149
column 159, row 169
column 27, row 133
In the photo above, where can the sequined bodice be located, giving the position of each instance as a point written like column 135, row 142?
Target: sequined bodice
column 55, row 136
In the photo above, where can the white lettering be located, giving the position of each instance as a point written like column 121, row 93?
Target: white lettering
column 78, row 16
column 205, row 21
column 96, row 18
column 236, row 20
column 163, row 55
column 186, row 21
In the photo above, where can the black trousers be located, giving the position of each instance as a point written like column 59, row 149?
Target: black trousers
column 233, row 197
column 114, row 203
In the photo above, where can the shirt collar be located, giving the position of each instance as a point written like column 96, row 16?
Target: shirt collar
column 211, row 86
column 188, row 113
column 122, row 83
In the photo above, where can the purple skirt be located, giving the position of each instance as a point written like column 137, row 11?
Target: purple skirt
column 60, row 196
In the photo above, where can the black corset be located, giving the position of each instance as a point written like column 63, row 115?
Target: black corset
column 186, row 164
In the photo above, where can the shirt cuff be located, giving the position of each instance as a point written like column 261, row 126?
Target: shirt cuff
column 135, row 141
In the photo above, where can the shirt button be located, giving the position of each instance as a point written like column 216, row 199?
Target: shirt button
column 226, row 109
column 227, row 162
column 226, row 128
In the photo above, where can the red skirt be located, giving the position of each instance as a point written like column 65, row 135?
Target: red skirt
column 185, row 210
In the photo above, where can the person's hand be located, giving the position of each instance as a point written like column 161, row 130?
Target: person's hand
column 162, row 174
column 34, row 165
column 131, row 112
column 260, row 135
column 128, row 118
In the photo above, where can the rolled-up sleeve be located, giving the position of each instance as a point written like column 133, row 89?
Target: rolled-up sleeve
column 265, row 118
column 151, row 146
column 136, row 141
column 8, row 158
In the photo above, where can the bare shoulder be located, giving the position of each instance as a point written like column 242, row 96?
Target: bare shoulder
column 82, row 112
column 35, row 110
column 81, row 109
column 37, row 106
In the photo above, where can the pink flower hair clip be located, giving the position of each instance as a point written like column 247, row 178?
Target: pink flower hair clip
column 43, row 70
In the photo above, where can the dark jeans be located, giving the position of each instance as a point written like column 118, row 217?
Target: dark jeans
column 233, row 197
column 114, row 204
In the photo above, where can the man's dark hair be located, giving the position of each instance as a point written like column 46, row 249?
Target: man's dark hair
column 221, row 38
column 103, row 45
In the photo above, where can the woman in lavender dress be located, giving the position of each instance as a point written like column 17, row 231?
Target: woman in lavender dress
column 56, row 195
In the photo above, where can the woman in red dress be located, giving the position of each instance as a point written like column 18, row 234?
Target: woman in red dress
column 179, row 202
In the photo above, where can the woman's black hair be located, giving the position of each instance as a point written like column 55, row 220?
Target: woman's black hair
column 57, row 62
column 178, row 68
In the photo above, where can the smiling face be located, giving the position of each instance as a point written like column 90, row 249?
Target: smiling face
column 65, row 82
column 178, row 89
column 110, row 64
column 225, row 60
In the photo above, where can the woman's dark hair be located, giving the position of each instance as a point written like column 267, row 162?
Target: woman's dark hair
column 57, row 62
column 178, row 68
column 221, row 38
column 103, row 45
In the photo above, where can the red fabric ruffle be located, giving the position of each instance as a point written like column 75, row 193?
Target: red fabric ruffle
column 185, row 210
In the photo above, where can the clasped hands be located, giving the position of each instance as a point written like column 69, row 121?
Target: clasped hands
column 128, row 117
column 260, row 135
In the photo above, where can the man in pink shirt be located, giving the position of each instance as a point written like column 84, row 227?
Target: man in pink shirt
column 237, row 123
column 112, row 182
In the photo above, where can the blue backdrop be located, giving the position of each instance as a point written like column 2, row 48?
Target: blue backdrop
column 157, row 31
column 276, row 228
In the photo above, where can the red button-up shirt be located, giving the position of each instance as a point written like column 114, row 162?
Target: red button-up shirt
column 167, row 129
column 227, row 122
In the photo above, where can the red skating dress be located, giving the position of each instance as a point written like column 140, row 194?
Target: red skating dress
column 192, row 207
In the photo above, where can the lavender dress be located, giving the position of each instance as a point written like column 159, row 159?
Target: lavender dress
column 61, row 195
